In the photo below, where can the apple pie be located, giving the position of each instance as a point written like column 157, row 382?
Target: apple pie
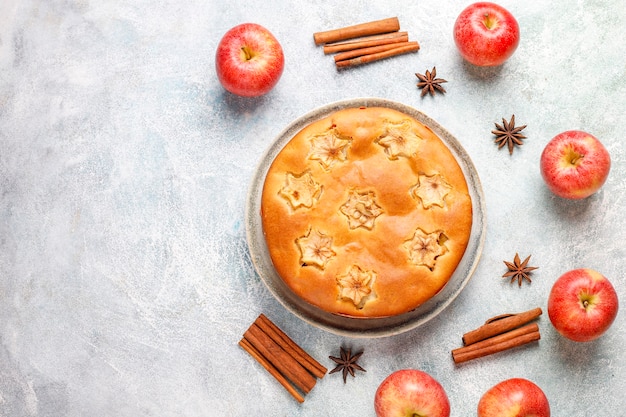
column 366, row 213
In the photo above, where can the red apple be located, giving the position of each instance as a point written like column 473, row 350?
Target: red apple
column 515, row 397
column 574, row 164
column 249, row 60
column 582, row 304
column 409, row 393
column 486, row 34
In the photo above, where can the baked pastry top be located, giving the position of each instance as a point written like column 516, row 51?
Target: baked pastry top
column 366, row 213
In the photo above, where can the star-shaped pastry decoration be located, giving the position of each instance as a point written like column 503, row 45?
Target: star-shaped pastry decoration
column 328, row 148
column 431, row 190
column 315, row 248
column 346, row 363
column 399, row 140
column 356, row 285
column 519, row 270
column 361, row 210
column 429, row 83
column 301, row 191
column 424, row 248
column 508, row 134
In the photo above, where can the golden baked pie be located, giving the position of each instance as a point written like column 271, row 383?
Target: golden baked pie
column 366, row 213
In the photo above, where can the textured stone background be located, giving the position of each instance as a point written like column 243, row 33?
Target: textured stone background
column 125, row 277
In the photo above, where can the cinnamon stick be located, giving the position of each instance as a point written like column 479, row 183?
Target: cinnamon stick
column 277, row 356
column 271, row 369
column 363, row 29
column 366, row 42
column 377, row 56
column 371, row 50
column 495, row 345
column 499, row 325
column 529, row 328
column 306, row 360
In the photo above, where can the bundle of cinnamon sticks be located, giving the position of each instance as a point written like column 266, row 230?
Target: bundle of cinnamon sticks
column 499, row 333
column 365, row 42
column 292, row 367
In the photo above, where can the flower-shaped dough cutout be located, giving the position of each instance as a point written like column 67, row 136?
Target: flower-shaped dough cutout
column 424, row 248
column 301, row 191
column 361, row 210
column 329, row 148
column 399, row 140
column 431, row 190
column 356, row 285
column 315, row 248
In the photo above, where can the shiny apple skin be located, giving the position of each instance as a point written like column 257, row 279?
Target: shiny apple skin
column 582, row 304
column 515, row 397
column 574, row 164
column 486, row 34
column 409, row 393
column 249, row 60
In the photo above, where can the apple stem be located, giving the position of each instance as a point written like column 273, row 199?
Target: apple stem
column 585, row 304
column 246, row 52
column 576, row 159
column 573, row 156
column 490, row 21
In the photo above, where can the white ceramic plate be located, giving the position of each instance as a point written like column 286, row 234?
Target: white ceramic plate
column 364, row 327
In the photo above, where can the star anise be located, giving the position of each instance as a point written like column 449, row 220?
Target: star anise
column 508, row 134
column 429, row 83
column 519, row 270
column 346, row 363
